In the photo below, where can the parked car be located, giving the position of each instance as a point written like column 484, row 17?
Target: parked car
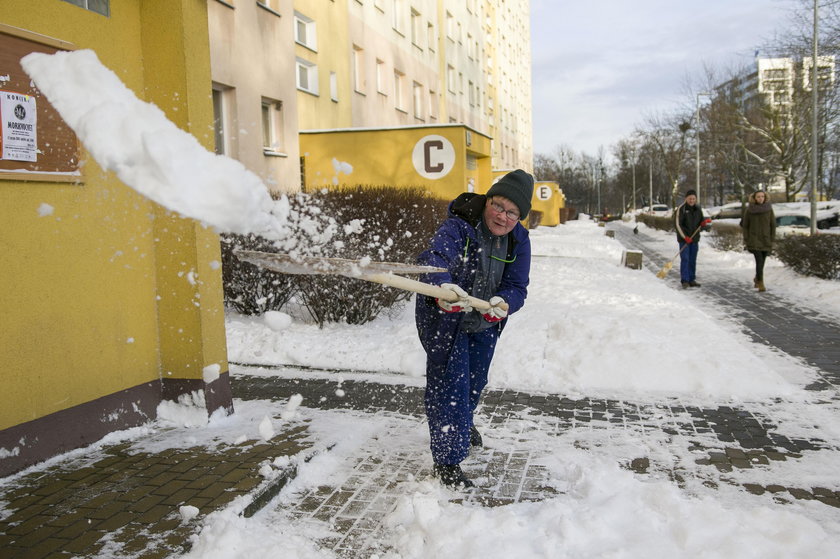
column 733, row 210
column 661, row 210
column 793, row 224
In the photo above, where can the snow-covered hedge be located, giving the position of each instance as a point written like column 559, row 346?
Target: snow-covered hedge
column 380, row 223
column 811, row 255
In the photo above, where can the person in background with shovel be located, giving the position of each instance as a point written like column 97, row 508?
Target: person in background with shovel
column 487, row 254
column 688, row 221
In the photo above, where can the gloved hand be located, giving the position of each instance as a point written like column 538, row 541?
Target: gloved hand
column 461, row 305
column 496, row 312
column 688, row 240
column 706, row 222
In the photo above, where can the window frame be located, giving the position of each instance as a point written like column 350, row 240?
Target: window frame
column 271, row 124
column 311, row 70
column 310, row 35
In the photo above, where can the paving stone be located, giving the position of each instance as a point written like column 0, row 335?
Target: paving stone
column 84, row 542
column 800, row 493
column 754, row 488
column 154, row 514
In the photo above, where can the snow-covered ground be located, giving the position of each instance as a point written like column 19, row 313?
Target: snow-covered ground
column 590, row 327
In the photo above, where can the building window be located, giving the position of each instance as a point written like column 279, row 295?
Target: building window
column 333, row 86
column 305, row 32
column 430, row 37
column 416, row 28
column 450, row 78
column 221, row 98
column 450, row 26
column 359, row 81
column 307, row 76
column 471, row 90
column 102, row 7
column 417, row 97
column 381, row 80
column 398, row 17
column 272, row 5
column 432, row 106
column 272, row 125
column 399, row 90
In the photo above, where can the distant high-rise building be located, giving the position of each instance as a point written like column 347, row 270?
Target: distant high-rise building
column 773, row 81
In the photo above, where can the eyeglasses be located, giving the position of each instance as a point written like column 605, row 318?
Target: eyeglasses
column 510, row 214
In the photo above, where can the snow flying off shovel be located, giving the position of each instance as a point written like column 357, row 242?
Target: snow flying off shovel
column 376, row 272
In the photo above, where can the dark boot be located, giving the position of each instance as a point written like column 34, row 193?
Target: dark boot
column 452, row 475
column 760, row 285
column 684, row 285
column 693, row 284
column 475, row 437
column 755, row 283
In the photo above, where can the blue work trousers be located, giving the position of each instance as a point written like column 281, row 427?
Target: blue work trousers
column 688, row 261
column 453, row 390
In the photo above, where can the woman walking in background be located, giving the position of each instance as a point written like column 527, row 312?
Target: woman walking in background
column 759, row 226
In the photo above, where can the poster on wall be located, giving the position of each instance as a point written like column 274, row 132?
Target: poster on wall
column 18, row 123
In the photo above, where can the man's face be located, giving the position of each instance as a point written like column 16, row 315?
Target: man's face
column 691, row 199
column 497, row 215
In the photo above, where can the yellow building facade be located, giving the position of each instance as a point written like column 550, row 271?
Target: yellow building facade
column 546, row 203
column 446, row 160
column 99, row 320
column 549, row 200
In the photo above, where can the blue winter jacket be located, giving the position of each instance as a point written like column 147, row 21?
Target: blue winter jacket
column 455, row 248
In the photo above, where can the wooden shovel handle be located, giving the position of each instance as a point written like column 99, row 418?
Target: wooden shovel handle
column 428, row 289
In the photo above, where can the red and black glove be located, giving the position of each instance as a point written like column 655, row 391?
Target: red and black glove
column 706, row 222
column 688, row 240
column 498, row 309
column 461, row 305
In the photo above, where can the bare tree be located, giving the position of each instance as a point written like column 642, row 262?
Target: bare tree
column 668, row 136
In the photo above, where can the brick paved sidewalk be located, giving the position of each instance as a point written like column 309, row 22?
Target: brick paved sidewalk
column 121, row 502
column 128, row 501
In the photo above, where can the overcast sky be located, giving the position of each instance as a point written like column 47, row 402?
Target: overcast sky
column 600, row 65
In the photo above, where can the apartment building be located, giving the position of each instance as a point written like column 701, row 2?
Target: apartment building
column 254, row 91
column 368, row 65
column 773, row 81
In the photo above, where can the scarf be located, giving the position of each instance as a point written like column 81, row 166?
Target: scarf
column 754, row 208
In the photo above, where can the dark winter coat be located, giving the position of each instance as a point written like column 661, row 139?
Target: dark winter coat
column 759, row 227
column 687, row 220
column 455, row 248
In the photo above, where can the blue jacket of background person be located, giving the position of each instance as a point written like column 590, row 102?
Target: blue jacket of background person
column 455, row 248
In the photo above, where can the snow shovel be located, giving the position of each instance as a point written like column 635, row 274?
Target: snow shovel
column 376, row 272
column 670, row 264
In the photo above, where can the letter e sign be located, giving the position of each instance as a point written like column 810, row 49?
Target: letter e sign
column 433, row 157
column 543, row 192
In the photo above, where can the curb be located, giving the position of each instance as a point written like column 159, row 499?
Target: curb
column 273, row 488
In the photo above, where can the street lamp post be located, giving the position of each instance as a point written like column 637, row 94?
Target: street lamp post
column 814, row 123
column 650, row 175
column 634, row 182
column 632, row 163
column 697, row 144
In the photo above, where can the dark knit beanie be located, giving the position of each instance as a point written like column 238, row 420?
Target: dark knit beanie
column 690, row 192
column 518, row 187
